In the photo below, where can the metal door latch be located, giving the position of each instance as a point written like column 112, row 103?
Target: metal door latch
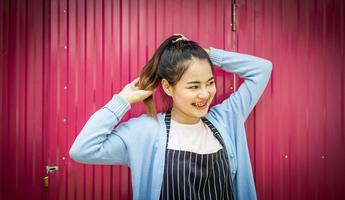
column 51, row 169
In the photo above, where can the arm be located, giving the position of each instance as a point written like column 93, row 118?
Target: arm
column 98, row 142
column 256, row 72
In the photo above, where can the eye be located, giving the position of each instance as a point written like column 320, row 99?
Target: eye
column 211, row 83
column 193, row 87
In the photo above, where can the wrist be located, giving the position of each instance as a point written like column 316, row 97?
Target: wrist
column 216, row 56
column 124, row 97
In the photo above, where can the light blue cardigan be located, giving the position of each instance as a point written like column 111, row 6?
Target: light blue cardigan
column 140, row 142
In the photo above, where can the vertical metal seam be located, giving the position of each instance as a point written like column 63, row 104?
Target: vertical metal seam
column 66, row 17
column 85, row 80
column 103, row 83
column 26, row 86
column 44, row 146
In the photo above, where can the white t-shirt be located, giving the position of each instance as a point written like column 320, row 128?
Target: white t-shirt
column 197, row 138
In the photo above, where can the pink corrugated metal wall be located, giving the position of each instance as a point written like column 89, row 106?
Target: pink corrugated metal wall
column 297, row 135
column 62, row 60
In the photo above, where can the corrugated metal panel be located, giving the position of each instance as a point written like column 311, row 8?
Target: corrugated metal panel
column 296, row 133
column 21, row 83
column 62, row 60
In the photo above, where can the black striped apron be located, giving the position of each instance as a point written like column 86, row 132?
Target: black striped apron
column 189, row 175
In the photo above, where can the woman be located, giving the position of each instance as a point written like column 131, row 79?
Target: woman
column 191, row 151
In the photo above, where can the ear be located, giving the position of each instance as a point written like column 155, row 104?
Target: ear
column 166, row 87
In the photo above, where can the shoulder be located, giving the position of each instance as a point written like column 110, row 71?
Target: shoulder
column 142, row 125
column 144, row 120
column 219, row 111
column 223, row 115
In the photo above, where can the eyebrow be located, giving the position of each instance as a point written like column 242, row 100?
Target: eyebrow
column 197, row 82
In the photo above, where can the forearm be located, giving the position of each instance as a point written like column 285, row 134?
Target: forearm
column 88, row 146
column 255, row 70
column 244, row 65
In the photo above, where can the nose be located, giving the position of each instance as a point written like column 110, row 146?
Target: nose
column 204, row 94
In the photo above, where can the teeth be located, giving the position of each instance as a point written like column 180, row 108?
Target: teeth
column 200, row 104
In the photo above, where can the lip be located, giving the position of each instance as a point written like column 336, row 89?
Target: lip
column 204, row 101
column 201, row 108
column 201, row 102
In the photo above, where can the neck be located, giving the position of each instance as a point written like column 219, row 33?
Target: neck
column 179, row 116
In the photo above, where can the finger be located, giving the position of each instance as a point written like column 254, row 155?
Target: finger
column 135, row 81
column 146, row 93
column 177, row 34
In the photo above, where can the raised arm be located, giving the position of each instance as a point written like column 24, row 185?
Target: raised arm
column 256, row 72
column 98, row 142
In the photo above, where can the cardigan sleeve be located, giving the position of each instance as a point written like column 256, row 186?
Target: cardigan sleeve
column 98, row 142
column 256, row 72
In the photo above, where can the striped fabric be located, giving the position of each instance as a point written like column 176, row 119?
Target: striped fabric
column 189, row 175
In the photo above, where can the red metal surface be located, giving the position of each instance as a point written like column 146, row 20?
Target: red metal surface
column 62, row 60
column 296, row 133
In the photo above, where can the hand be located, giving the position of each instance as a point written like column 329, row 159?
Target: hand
column 178, row 34
column 133, row 94
column 207, row 50
column 182, row 36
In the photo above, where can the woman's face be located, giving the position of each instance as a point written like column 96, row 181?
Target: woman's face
column 193, row 93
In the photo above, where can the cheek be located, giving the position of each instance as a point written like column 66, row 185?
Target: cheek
column 213, row 91
column 185, row 96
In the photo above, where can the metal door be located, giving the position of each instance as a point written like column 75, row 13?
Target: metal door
column 96, row 47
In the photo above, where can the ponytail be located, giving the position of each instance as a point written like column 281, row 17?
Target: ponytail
column 149, row 81
column 149, row 78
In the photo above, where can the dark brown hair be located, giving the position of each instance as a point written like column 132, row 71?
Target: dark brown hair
column 170, row 61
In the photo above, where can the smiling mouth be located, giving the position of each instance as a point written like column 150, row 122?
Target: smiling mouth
column 200, row 105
